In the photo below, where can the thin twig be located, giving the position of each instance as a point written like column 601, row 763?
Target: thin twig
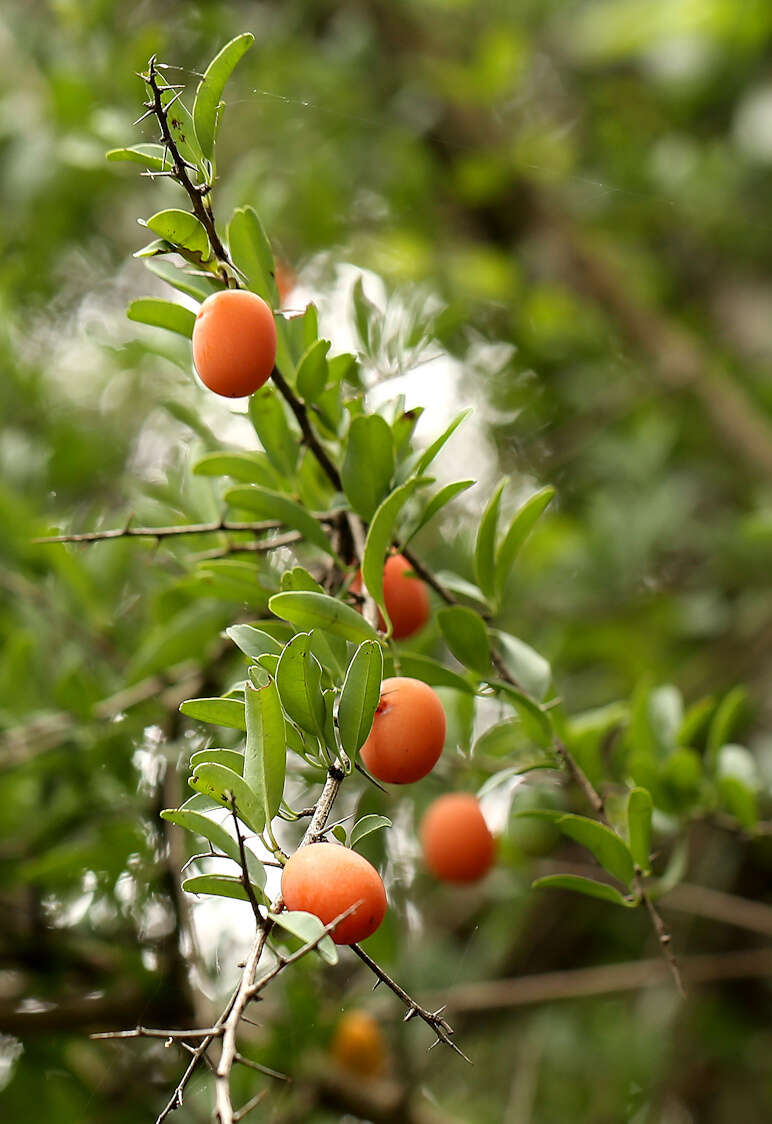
column 663, row 935
column 258, row 528
column 309, row 435
column 245, row 1109
column 154, row 1032
column 246, row 882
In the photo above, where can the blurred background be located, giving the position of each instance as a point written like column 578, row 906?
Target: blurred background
column 561, row 211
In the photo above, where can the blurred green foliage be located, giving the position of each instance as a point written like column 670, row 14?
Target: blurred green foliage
column 571, row 199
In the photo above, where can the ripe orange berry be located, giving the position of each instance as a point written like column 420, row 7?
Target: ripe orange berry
column 234, row 342
column 456, row 842
column 406, row 597
column 407, row 734
column 326, row 879
column 358, row 1045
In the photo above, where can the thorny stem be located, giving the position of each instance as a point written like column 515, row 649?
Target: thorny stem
column 309, row 434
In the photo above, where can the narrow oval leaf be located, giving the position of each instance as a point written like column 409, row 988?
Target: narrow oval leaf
column 485, row 546
column 524, row 663
column 219, row 838
column 252, row 641
column 251, row 468
column 639, row 813
column 181, row 228
column 299, row 678
column 436, row 504
column 251, row 253
column 207, row 104
column 191, row 284
column 609, row 849
column 298, row 578
column 217, row 712
column 265, row 759
column 275, row 505
column 519, row 529
column 466, row 635
column 231, row 758
column 379, row 538
column 224, row 786
column 269, row 418
column 306, row 927
column 428, row 456
column 360, row 695
column 367, row 825
column 725, row 721
column 587, row 886
column 162, row 314
column 430, row 671
column 368, row 464
column 153, row 156
column 311, row 377
column 318, row 610
column 221, row 886
column 505, row 739
column 536, row 721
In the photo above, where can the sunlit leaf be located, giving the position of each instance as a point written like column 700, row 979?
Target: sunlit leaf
column 360, row 695
column 206, row 107
column 162, row 314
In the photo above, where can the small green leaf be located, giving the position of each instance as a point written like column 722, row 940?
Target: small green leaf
column 275, row 505
column 639, row 813
column 505, row 739
column 206, row 107
column 265, row 759
column 524, row 663
column 298, row 578
column 725, row 722
column 379, row 538
column 367, row 825
column 153, row 249
column 191, row 284
column 318, row 610
column 665, row 713
column 181, row 228
column 218, row 837
column 306, row 927
column 221, row 886
column 536, row 721
column 738, row 781
column 368, row 464
column 466, row 636
column 231, row 758
column 269, row 418
column 436, row 503
column 609, row 849
column 251, row 254
column 250, row 468
column 519, row 529
column 485, row 546
column 252, row 641
column 430, row 671
column 311, row 377
column 587, row 886
column 162, row 314
column 428, row 456
column 360, row 695
column 152, row 156
column 224, row 786
column 298, row 678
column 217, row 712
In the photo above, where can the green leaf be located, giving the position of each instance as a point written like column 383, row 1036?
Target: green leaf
column 738, row 781
column 436, row 503
column 231, row 758
column 191, row 284
column 218, row 837
column 311, row 377
column 368, row 319
column 162, row 314
column 153, row 249
column 665, row 713
column 265, row 759
column 505, row 739
column 587, row 886
column 379, row 538
column 430, row 671
column 360, row 696
column 298, row 578
column 299, row 678
column 217, row 712
column 181, row 228
column 524, row 664
column 251, row 253
column 609, row 849
column 221, row 886
column 252, row 641
column 306, row 927
column 269, row 418
column 428, row 456
column 251, row 468
column 223, row 786
column 639, row 813
column 367, row 825
column 206, row 107
column 466, row 635
column 519, row 529
column 318, row 610
column 536, row 721
column 231, row 580
column 152, row 156
column 368, row 464
column 275, row 505
column 485, row 546
column 725, row 721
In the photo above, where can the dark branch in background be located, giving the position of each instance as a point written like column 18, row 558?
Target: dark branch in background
column 258, row 528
